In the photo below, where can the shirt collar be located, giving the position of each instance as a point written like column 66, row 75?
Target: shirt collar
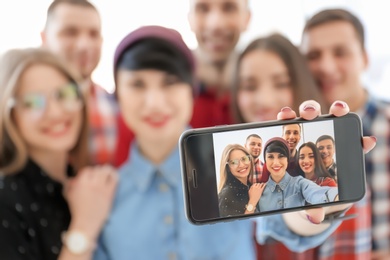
column 142, row 172
column 282, row 184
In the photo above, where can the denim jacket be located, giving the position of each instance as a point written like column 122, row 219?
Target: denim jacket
column 293, row 192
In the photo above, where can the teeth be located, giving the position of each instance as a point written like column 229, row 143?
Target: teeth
column 58, row 128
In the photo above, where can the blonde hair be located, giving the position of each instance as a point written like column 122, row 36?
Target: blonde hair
column 13, row 150
column 223, row 170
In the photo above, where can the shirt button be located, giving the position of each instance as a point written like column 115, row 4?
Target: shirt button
column 168, row 220
column 163, row 187
column 172, row 256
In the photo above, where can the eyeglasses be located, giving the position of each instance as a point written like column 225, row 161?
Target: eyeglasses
column 235, row 162
column 35, row 104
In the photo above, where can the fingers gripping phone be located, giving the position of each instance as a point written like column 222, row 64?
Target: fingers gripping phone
column 248, row 170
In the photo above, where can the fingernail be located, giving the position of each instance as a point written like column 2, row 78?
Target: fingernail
column 309, row 108
column 286, row 109
column 311, row 220
column 340, row 104
column 373, row 138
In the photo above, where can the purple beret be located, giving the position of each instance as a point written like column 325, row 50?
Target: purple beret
column 167, row 34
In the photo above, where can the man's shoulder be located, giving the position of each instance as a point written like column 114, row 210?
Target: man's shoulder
column 378, row 107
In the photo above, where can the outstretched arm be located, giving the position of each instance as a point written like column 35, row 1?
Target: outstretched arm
column 307, row 223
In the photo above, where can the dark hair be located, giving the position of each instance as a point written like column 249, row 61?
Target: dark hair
column 277, row 145
column 325, row 137
column 303, row 83
column 253, row 135
column 53, row 6
column 319, row 167
column 159, row 54
column 335, row 15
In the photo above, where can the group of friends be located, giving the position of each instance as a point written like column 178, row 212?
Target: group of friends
column 89, row 175
column 249, row 185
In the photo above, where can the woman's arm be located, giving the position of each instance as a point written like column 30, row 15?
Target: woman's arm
column 254, row 192
column 89, row 195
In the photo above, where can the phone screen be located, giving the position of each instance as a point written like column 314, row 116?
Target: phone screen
column 324, row 164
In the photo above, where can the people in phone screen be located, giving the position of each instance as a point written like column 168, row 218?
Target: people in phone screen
column 284, row 191
column 311, row 165
column 326, row 147
column 254, row 144
column 236, row 193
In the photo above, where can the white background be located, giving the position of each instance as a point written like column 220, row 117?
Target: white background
column 22, row 20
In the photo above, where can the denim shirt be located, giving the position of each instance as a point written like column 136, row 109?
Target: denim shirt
column 148, row 221
column 293, row 192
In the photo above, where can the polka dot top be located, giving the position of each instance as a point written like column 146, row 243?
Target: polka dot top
column 33, row 214
column 233, row 197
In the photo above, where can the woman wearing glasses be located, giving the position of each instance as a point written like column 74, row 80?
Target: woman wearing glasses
column 236, row 194
column 48, row 197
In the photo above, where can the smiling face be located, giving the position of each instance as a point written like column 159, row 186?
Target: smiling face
column 254, row 146
column 217, row 25
column 264, row 86
column 74, row 33
column 240, row 165
column 326, row 148
column 336, row 59
column 277, row 165
column 306, row 161
column 156, row 105
column 54, row 127
column 292, row 134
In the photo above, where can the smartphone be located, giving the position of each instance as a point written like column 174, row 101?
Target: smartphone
column 210, row 175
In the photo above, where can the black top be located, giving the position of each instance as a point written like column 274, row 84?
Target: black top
column 293, row 165
column 33, row 214
column 233, row 197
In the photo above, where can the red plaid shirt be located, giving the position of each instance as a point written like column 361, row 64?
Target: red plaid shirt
column 102, row 109
column 258, row 165
column 370, row 230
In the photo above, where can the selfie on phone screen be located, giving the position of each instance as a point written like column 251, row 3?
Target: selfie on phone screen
column 290, row 162
column 248, row 170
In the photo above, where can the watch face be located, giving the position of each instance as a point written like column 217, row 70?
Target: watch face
column 250, row 207
column 76, row 242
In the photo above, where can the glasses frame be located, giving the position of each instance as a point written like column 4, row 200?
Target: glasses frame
column 13, row 102
column 239, row 160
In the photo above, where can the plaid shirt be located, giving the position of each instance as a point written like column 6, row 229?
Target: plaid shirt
column 370, row 230
column 102, row 111
column 258, row 171
column 376, row 122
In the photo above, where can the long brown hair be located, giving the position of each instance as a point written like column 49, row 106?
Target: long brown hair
column 319, row 167
column 224, row 169
column 303, row 83
column 13, row 150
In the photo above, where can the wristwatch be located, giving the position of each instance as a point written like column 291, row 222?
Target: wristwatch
column 76, row 242
column 250, row 207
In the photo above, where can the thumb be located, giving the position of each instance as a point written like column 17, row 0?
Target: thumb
column 316, row 215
